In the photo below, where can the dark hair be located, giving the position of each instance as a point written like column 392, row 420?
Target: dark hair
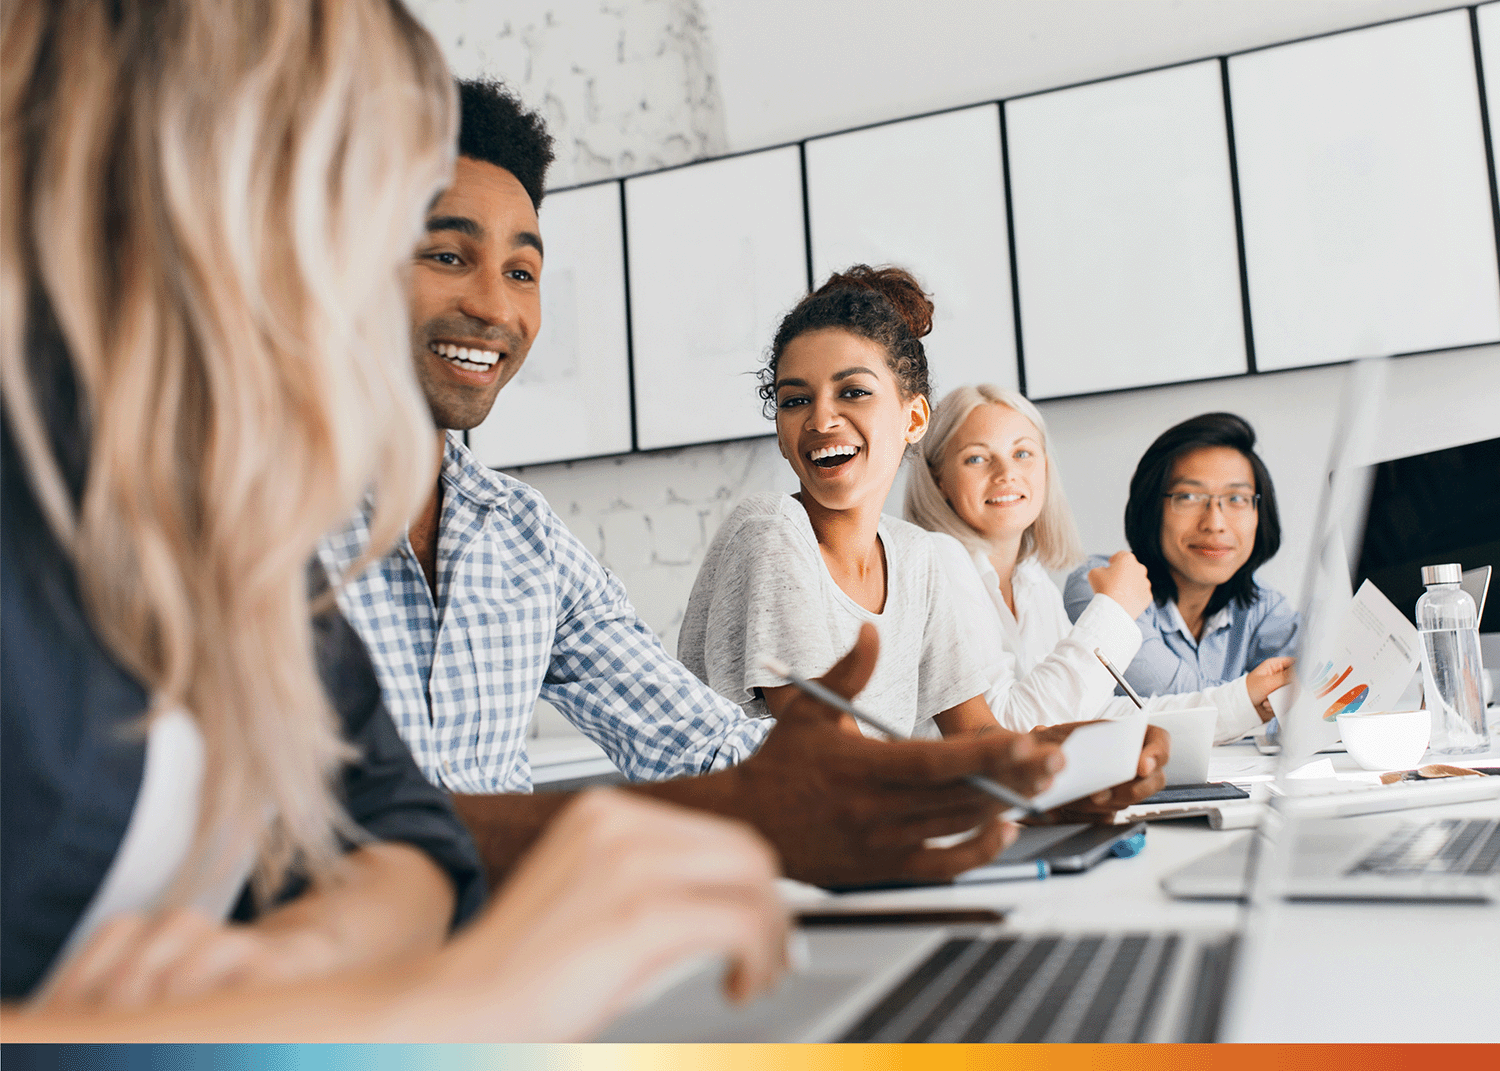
column 495, row 127
column 885, row 305
column 1143, row 511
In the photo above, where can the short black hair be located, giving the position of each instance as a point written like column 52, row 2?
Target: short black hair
column 495, row 127
column 1143, row 511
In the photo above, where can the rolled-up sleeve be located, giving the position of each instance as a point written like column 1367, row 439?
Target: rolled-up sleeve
column 611, row 677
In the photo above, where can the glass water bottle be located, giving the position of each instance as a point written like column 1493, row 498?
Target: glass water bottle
column 1451, row 667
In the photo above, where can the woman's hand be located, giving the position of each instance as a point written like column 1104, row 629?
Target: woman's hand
column 1264, row 679
column 387, row 900
column 619, row 890
column 134, row 960
column 1124, row 580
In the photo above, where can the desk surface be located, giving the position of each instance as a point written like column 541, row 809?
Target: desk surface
column 1339, row 970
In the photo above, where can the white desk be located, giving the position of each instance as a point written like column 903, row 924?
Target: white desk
column 1340, row 972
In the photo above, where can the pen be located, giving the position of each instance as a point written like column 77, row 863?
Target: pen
column 1115, row 673
column 833, row 699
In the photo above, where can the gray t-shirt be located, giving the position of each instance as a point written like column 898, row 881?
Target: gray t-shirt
column 764, row 590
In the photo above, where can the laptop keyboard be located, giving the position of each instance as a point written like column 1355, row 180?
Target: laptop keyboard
column 1043, row 988
column 1447, row 846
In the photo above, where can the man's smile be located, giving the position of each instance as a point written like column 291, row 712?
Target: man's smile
column 469, row 358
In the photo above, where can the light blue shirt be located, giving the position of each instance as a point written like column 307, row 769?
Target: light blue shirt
column 522, row 611
column 1235, row 640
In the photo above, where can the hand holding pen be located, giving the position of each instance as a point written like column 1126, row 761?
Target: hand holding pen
column 846, row 809
column 1020, row 805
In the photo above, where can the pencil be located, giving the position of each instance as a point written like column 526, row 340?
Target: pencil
column 833, row 699
column 1115, row 673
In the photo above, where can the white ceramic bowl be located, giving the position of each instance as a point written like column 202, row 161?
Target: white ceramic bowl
column 1386, row 739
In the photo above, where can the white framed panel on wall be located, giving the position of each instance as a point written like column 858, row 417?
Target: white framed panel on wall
column 1127, row 259
column 717, row 255
column 571, row 398
column 1487, row 18
column 927, row 194
column 1364, row 192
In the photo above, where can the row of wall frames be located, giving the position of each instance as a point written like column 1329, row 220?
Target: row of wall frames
column 1301, row 204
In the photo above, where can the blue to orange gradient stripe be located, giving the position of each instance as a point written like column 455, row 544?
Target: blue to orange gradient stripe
column 749, row 1057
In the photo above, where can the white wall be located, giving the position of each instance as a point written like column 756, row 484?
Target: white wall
column 627, row 87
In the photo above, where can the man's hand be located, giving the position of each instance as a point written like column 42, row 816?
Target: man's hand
column 1150, row 776
column 1264, row 679
column 838, row 807
column 842, row 809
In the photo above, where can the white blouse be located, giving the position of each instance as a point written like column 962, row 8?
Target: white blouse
column 1042, row 668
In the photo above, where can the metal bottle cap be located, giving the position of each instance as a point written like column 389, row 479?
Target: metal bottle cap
column 1442, row 574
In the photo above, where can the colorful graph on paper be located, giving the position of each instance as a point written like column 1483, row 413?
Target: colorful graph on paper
column 1332, row 677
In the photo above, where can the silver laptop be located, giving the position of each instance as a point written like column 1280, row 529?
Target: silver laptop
column 1389, row 857
column 956, row 984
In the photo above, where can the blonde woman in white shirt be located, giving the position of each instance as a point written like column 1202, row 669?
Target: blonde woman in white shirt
column 990, row 489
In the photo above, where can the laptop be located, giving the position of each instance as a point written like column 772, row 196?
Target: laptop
column 1399, row 858
column 965, row 984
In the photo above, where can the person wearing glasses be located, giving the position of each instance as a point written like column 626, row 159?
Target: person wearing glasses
column 1202, row 519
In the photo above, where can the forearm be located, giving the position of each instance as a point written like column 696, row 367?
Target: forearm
column 505, row 825
column 390, row 900
column 970, row 717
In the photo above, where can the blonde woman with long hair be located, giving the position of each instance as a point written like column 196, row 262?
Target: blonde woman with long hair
column 990, row 485
column 207, row 206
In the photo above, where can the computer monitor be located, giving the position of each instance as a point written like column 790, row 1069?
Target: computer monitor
column 1432, row 508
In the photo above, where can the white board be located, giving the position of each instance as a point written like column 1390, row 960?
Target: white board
column 929, row 195
column 1365, row 194
column 717, row 256
column 571, row 398
column 1127, row 260
column 1488, row 18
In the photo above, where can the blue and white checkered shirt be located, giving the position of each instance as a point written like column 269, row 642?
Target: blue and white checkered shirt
column 523, row 611
column 1235, row 639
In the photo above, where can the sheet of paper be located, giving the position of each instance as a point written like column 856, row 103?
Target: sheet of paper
column 1240, row 766
column 1366, row 666
column 1100, row 755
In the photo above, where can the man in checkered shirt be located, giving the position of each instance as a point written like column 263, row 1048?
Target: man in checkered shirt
column 491, row 603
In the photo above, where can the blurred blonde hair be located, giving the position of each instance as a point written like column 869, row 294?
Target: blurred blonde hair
column 213, row 199
column 1052, row 537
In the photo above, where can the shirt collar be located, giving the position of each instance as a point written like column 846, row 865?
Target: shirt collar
column 1169, row 619
column 465, row 474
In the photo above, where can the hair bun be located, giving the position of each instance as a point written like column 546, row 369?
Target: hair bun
column 896, row 285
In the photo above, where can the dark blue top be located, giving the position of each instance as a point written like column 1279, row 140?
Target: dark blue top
column 72, row 755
